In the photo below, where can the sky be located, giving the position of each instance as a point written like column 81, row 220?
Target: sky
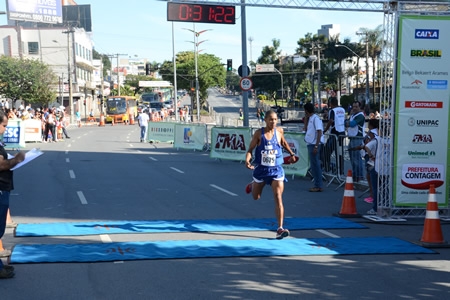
column 139, row 29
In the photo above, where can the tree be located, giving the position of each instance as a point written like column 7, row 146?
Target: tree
column 27, row 79
column 133, row 82
column 338, row 54
column 269, row 82
column 209, row 68
column 308, row 46
column 375, row 45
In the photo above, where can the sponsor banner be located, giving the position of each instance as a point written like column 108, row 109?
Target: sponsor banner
column 14, row 135
column 422, row 111
column 190, row 136
column 33, row 130
column 230, row 143
column 161, row 131
column 421, row 176
column 49, row 11
column 297, row 143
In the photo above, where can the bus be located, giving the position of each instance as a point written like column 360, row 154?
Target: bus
column 157, row 95
column 119, row 108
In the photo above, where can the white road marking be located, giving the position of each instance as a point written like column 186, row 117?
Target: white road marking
column 152, row 158
column 328, row 233
column 72, row 174
column 105, row 238
column 175, row 169
column 131, row 145
column 223, row 190
column 67, row 151
column 82, row 198
column 138, row 151
column 67, row 160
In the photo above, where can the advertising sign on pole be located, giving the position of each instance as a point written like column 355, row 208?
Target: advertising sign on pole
column 35, row 11
column 422, row 111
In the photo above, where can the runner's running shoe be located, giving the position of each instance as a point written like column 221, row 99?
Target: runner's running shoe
column 248, row 188
column 282, row 233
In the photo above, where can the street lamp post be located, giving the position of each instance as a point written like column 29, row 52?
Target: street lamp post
column 367, row 64
column 367, row 69
column 196, row 44
column 312, row 58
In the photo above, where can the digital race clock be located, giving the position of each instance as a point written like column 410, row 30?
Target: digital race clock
column 218, row 14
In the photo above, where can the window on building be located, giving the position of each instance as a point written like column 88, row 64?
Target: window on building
column 33, row 48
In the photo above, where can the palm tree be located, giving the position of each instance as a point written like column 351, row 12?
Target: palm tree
column 338, row 54
column 375, row 46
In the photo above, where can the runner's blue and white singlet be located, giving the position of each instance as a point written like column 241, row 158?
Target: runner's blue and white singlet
column 269, row 153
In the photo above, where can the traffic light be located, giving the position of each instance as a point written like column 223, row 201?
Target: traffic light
column 305, row 93
column 147, row 69
column 229, row 65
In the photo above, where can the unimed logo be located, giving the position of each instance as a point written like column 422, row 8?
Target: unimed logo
column 230, row 141
column 423, row 104
column 426, row 53
column 427, row 34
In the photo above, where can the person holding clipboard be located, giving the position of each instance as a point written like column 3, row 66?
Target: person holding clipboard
column 6, row 186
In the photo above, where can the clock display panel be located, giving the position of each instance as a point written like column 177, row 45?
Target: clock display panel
column 201, row 13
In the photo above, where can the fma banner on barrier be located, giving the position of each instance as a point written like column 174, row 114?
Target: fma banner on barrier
column 230, row 142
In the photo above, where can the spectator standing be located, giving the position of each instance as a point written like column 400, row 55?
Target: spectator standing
column 50, row 123
column 6, row 186
column 372, row 148
column 268, row 142
column 143, row 120
column 355, row 130
column 314, row 141
column 336, row 125
column 63, row 126
column 78, row 118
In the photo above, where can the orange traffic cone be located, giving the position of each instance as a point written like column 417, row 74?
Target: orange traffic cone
column 102, row 120
column 131, row 119
column 432, row 232
column 348, row 207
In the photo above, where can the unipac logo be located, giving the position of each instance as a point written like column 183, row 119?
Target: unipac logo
column 422, row 154
column 423, row 123
column 432, row 34
column 422, row 139
column 426, row 53
column 423, row 104
column 437, row 84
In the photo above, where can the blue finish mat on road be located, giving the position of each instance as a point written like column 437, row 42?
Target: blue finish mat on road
column 211, row 248
column 165, row 226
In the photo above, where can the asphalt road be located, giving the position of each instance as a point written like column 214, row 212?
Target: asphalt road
column 122, row 179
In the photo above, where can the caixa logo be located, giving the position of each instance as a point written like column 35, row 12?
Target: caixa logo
column 427, row 34
column 11, row 135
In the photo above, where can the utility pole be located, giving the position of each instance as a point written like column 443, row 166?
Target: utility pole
column 69, row 73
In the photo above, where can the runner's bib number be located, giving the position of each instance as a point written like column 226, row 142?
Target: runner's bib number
column 268, row 159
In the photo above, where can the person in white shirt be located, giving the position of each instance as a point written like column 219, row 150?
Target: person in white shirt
column 314, row 140
column 336, row 125
column 143, row 120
